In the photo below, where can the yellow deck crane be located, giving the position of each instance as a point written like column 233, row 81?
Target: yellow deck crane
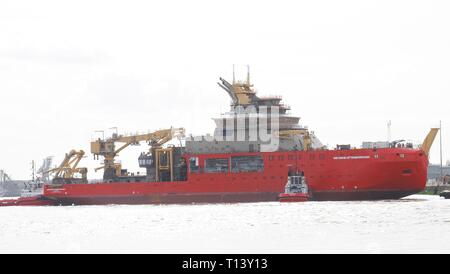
column 428, row 142
column 66, row 172
column 107, row 149
column 304, row 133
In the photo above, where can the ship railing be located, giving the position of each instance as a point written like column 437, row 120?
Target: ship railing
column 270, row 96
column 231, row 115
column 125, row 134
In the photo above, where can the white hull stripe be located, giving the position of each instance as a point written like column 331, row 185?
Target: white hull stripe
column 350, row 157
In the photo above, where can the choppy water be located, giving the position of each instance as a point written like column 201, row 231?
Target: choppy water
column 418, row 223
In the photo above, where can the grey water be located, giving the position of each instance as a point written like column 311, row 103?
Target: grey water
column 415, row 224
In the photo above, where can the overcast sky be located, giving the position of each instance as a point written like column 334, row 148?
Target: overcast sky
column 68, row 68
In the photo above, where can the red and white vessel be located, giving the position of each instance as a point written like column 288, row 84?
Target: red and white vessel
column 296, row 189
column 233, row 166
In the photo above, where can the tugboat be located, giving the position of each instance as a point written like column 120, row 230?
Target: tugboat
column 296, row 189
column 31, row 195
column 38, row 200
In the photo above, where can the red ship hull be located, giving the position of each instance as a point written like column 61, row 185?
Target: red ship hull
column 358, row 174
column 27, row 201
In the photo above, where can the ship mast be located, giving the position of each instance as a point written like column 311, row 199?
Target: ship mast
column 441, row 179
column 32, row 171
column 234, row 77
column 440, row 149
column 389, row 131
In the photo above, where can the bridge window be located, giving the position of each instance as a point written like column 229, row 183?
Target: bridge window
column 193, row 165
column 407, row 171
column 216, row 165
column 247, row 164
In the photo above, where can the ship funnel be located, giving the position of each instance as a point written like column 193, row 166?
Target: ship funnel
column 428, row 142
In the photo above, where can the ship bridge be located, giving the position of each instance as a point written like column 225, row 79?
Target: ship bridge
column 251, row 121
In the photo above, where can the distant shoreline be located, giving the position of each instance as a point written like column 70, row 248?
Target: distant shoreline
column 434, row 190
